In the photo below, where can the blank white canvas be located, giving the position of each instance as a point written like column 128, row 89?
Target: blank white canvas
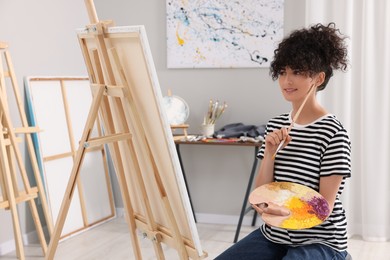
column 47, row 110
column 50, row 116
column 56, row 185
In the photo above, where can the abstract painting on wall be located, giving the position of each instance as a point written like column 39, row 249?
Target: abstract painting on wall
column 223, row 34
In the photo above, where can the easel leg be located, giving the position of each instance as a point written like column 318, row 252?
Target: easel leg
column 12, row 150
column 73, row 177
column 11, row 199
column 39, row 183
column 38, row 224
column 168, row 211
column 105, row 110
column 130, row 219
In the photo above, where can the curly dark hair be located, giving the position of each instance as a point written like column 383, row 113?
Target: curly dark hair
column 316, row 49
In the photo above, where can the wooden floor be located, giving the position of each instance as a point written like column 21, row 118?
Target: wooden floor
column 111, row 241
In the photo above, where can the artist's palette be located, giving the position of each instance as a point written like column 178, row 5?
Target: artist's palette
column 307, row 207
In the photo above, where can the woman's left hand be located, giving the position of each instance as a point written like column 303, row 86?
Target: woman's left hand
column 271, row 208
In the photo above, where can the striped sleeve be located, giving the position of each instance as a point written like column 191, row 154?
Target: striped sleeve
column 336, row 159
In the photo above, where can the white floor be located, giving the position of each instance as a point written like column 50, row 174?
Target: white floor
column 111, row 241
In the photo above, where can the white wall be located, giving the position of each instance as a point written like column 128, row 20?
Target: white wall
column 42, row 41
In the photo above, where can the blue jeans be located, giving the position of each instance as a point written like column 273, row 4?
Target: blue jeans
column 256, row 246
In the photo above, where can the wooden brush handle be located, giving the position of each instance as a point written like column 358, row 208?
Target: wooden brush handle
column 294, row 119
column 302, row 105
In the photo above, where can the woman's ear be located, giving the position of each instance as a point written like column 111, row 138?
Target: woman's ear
column 320, row 78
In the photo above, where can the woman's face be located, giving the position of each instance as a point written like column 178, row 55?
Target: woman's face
column 294, row 84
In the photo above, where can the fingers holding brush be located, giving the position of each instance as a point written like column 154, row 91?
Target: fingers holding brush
column 286, row 138
column 274, row 139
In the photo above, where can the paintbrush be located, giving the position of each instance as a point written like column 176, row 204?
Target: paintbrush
column 293, row 120
column 214, row 112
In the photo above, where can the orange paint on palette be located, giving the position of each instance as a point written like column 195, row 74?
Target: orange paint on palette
column 302, row 215
column 297, row 206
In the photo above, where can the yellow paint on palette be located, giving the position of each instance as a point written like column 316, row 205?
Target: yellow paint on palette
column 301, row 215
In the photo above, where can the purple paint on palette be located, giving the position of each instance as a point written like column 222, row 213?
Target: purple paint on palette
column 320, row 207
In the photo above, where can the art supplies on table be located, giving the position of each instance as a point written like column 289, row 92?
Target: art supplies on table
column 214, row 112
column 221, row 140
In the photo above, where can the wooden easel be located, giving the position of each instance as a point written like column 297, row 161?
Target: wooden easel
column 113, row 100
column 9, row 146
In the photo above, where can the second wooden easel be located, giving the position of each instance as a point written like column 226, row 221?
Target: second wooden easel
column 12, row 194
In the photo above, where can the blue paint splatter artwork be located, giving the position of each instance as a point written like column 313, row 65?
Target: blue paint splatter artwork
column 223, row 34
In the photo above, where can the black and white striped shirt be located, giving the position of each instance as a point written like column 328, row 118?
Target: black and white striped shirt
column 321, row 148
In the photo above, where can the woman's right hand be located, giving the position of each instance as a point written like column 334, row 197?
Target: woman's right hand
column 273, row 139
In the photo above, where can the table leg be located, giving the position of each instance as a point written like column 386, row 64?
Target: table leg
column 244, row 210
column 185, row 179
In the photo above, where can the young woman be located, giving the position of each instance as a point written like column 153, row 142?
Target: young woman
column 316, row 151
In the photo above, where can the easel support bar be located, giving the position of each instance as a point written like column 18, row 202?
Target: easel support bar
column 110, row 90
column 26, row 130
column 23, row 197
column 93, row 142
column 7, row 141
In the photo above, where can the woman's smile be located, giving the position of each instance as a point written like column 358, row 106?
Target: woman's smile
column 290, row 90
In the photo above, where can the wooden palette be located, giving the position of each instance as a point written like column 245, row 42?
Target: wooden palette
column 307, row 207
